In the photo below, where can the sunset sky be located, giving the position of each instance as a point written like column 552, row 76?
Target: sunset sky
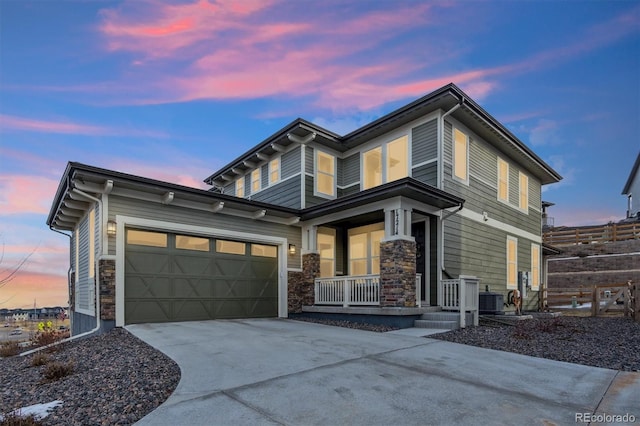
column 173, row 91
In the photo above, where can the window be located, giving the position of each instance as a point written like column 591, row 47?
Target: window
column 240, row 187
column 364, row 249
column 397, row 159
column 146, row 238
column 327, row 249
column 325, row 174
column 274, row 171
column 372, row 168
column 230, row 247
column 460, row 155
column 535, row 266
column 255, row 181
column 264, row 251
column 503, row 180
column 524, row 191
column 184, row 242
column 512, row 262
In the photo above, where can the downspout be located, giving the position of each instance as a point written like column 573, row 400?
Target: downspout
column 441, row 181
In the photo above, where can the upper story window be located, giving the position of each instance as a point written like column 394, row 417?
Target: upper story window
column 523, row 202
column 503, row 180
column 372, row 168
column 325, row 181
column 240, row 187
column 255, row 180
column 460, row 155
column 395, row 157
column 274, row 171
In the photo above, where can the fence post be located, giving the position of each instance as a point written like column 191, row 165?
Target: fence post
column 462, row 301
column 346, row 292
column 636, row 302
column 595, row 301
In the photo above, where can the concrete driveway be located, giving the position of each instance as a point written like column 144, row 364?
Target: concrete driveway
column 277, row 371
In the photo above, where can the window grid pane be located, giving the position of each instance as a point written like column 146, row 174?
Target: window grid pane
column 146, row 238
column 460, row 155
column 240, row 187
column 325, row 174
column 524, row 191
column 503, row 182
column 264, row 251
column 274, row 170
column 255, row 180
column 372, row 161
column 398, row 159
column 231, row 247
column 184, row 242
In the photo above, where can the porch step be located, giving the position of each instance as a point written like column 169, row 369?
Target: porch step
column 442, row 319
column 444, row 325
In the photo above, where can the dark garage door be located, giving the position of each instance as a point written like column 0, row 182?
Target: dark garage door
column 173, row 277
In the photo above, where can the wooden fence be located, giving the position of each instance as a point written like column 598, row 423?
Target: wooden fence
column 587, row 235
column 621, row 298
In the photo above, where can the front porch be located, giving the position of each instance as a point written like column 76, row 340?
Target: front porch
column 361, row 295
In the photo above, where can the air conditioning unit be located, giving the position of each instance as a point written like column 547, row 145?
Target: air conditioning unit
column 491, row 303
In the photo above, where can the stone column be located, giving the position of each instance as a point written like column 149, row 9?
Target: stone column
column 301, row 284
column 107, row 289
column 398, row 273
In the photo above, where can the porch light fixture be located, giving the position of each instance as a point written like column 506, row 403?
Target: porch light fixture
column 292, row 249
column 111, row 228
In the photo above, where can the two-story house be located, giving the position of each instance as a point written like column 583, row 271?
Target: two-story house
column 383, row 220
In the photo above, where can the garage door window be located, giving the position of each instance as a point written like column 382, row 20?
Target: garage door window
column 230, row 247
column 264, row 251
column 146, row 238
column 185, row 242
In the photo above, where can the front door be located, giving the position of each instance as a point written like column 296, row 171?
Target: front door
column 419, row 232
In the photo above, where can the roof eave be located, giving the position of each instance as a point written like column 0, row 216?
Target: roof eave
column 632, row 175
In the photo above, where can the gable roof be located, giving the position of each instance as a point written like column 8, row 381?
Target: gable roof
column 632, row 175
column 443, row 98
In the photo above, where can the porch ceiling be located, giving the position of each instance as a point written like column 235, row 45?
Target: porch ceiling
column 407, row 187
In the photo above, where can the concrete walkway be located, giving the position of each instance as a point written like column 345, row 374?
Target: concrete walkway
column 277, row 371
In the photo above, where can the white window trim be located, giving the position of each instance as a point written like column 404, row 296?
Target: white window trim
column 279, row 160
column 384, row 158
column 317, row 171
column 536, row 286
column 332, row 233
column 244, row 189
column 453, row 155
column 512, row 286
column 498, row 179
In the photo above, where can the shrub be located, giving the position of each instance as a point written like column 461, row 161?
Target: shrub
column 39, row 359
column 57, row 370
column 8, row 349
column 13, row 419
column 48, row 337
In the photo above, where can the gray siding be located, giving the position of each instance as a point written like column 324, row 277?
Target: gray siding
column 424, row 145
column 535, row 193
column 290, row 163
column 483, row 162
column 83, row 291
column 448, row 143
column 312, row 200
column 286, row 194
column 427, row 174
column 350, row 170
column 172, row 213
column 230, row 188
column 348, row 191
column 308, row 159
column 264, row 175
column 514, row 185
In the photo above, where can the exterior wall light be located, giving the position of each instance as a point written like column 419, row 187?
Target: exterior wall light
column 292, row 249
column 111, row 228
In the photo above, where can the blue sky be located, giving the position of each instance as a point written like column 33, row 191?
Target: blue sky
column 175, row 90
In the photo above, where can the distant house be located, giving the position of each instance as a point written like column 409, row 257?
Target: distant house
column 633, row 187
column 388, row 220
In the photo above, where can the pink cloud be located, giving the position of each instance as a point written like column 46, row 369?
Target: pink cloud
column 46, row 289
column 12, row 122
column 23, row 194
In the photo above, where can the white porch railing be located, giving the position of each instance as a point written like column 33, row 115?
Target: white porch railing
column 355, row 290
column 461, row 295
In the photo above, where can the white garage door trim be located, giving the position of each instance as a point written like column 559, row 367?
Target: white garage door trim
column 129, row 221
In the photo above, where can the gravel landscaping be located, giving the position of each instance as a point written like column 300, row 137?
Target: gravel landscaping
column 599, row 342
column 115, row 378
